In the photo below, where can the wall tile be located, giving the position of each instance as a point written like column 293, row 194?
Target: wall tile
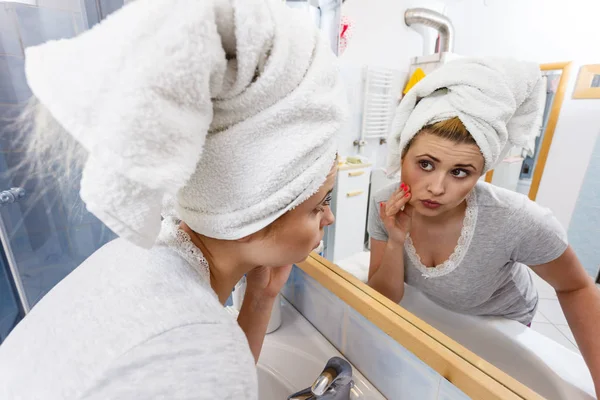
column 42, row 260
column 82, row 241
column 102, row 234
column 450, row 392
column 8, row 321
column 13, row 86
column 68, row 5
column 80, row 25
column 323, row 309
column 38, row 25
column 9, row 38
column 91, row 12
column 584, row 229
column 395, row 371
column 110, row 6
column 8, row 113
column 9, row 310
column 51, row 232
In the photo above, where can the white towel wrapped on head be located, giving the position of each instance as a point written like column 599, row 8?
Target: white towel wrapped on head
column 500, row 102
column 232, row 105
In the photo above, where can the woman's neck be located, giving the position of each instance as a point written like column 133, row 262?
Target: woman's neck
column 226, row 265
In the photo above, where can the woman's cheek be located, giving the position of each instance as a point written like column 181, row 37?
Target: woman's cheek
column 412, row 176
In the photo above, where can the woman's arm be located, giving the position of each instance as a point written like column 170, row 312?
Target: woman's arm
column 386, row 269
column 262, row 287
column 580, row 301
column 254, row 318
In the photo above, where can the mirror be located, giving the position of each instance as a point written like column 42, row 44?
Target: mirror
column 449, row 312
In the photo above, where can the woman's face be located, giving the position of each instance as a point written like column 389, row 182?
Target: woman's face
column 440, row 173
column 298, row 232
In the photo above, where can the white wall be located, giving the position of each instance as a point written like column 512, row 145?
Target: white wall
column 379, row 39
column 379, row 35
column 543, row 31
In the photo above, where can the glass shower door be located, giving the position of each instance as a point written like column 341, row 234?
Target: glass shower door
column 44, row 232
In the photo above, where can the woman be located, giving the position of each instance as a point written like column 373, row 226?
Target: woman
column 464, row 243
column 231, row 107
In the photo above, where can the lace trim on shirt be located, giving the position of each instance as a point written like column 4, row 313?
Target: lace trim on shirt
column 172, row 236
column 466, row 235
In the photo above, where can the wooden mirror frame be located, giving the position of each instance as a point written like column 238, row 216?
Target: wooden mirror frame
column 565, row 67
column 470, row 373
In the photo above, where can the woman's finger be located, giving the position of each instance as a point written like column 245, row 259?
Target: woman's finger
column 403, row 188
column 399, row 194
column 395, row 207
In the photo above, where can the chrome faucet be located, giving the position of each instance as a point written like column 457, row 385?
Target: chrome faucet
column 334, row 383
column 11, row 195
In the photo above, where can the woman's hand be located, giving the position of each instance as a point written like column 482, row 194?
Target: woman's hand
column 262, row 287
column 267, row 281
column 396, row 215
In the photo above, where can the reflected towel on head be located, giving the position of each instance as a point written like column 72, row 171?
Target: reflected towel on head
column 231, row 106
column 500, row 102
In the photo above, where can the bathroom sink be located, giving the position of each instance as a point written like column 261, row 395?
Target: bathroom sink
column 538, row 362
column 293, row 356
column 272, row 385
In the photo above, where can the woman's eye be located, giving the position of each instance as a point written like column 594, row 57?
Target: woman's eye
column 326, row 203
column 460, row 173
column 426, row 165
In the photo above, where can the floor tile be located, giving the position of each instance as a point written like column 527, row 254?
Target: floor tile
column 552, row 332
column 565, row 330
column 539, row 317
column 551, row 310
column 544, row 289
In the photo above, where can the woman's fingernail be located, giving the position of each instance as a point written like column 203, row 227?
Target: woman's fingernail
column 407, row 194
column 402, row 185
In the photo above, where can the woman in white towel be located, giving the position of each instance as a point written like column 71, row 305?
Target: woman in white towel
column 232, row 108
column 467, row 245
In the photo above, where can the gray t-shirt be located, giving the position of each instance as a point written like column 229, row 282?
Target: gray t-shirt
column 487, row 274
column 128, row 324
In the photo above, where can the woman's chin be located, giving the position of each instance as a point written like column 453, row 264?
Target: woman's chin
column 426, row 211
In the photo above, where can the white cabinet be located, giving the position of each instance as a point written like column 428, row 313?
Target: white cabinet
column 349, row 204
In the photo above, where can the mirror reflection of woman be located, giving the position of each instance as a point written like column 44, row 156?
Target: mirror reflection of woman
column 468, row 245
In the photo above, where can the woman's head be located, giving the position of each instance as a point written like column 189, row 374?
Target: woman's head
column 243, row 134
column 441, row 164
column 292, row 237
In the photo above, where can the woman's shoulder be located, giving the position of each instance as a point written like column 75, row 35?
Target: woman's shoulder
column 495, row 197
column 509, row 204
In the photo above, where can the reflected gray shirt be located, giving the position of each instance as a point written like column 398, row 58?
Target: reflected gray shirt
column 487, row 274
column 129, row 324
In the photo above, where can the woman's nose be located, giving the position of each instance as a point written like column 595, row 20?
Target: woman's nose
column 328, row 218
column 436, row 186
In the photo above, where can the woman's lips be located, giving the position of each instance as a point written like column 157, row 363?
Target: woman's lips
column 430, row 204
